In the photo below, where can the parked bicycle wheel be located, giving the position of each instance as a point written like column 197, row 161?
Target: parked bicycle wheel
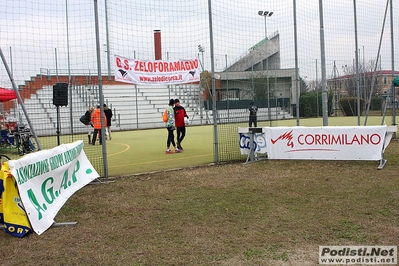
column 24, row 141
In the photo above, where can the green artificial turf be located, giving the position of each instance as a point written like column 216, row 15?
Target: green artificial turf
column 140, row 151
column 131, row 152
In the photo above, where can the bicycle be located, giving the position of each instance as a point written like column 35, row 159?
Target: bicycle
column 23, row 140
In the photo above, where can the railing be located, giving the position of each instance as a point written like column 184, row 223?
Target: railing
column 48, row 72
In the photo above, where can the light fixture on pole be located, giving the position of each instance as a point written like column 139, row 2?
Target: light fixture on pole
column 201, row 50
column 266, row 14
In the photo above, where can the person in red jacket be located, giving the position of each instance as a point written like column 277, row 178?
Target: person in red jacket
column 96, row 119
column 180, row 114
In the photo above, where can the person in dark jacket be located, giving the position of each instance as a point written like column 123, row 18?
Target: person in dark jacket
column 89, row 123
column 108, row 115
column 180, row 115
column 253, row 119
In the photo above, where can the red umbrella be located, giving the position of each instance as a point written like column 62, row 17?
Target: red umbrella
column 7, row 95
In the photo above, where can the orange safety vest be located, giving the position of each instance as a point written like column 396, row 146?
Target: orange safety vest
column 96, row 119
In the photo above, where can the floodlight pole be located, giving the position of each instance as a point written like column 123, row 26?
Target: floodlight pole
column 215, row 128
column 323, row 67
column 393, row 69
column 317, row 91
column 296, row 67
column 202, row 50
column 69, row 69
column 357, row 66
column 100, row 91
column 107, row 41
column 266, row 14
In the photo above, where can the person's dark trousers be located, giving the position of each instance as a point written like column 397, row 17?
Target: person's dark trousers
column 171, row 137
column 181, row 133
column 95, row 134
column 253, row 120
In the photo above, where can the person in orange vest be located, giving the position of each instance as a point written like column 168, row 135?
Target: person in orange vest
column 96, row 119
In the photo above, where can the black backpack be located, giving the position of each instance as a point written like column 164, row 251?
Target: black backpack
column 83, row 119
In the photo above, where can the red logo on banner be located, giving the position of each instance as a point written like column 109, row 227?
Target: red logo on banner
column 288, row 136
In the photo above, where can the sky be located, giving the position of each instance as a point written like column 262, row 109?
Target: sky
column 43, row 36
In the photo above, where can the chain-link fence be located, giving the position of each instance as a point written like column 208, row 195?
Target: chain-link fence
column 248, row 53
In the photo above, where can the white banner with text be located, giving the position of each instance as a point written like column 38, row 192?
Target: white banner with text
column 319, row 143
column 326, row 143
column 156, row 72
column 46, row 179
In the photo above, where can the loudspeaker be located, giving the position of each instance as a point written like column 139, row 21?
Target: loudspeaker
column 60, row 94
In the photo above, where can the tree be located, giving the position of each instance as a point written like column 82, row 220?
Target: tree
column 255, row 86
column 365, row 79
column 206, row 80
column 309, row 101
column 349, row 105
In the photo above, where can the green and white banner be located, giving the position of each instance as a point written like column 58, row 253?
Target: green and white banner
column 46, row 179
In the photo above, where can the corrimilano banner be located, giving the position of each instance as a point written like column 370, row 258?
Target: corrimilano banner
column 326, row 143
column 47, row 179
column 156, row 72
column 319, row 143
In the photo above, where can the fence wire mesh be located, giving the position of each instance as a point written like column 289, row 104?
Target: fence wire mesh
column 47, row 42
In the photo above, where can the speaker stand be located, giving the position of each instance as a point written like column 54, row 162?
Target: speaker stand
column 58, row 125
